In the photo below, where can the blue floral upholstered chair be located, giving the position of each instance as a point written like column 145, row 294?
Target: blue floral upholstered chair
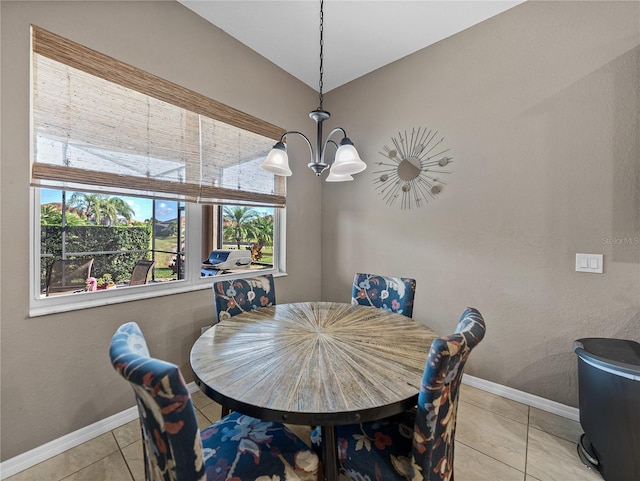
column 237, row 447
column 235, row 296
column 394, row 294
column 416, row 445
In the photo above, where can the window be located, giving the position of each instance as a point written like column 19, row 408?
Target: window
column 115, row 233
column 128, row 167
column 188, row 244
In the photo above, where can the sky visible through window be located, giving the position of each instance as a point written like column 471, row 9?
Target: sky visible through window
column 165, row 211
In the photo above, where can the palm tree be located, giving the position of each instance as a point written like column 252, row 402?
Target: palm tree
column 121, row 209
column 263, row 230
column 238, row 223
column 86, row 203
column 101, row 209
column 50, row 214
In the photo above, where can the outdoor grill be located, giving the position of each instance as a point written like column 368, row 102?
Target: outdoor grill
column 225, row 259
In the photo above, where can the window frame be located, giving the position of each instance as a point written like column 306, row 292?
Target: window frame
column 94, row 63
column 193, row 281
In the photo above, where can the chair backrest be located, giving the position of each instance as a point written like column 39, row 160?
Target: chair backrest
column 171, row 438
column 68, row 275
column 140, row 273
column 435, row 423
column 235, row 296
column 394, row 294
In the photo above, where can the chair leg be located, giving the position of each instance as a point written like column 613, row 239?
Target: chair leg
column 225, row 411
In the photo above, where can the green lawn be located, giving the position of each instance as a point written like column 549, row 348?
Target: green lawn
column 163, row 273
column 165, row 244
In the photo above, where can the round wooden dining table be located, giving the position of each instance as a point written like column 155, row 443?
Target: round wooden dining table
column 314, row 363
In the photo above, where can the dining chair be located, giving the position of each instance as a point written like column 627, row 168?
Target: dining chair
column 140, row 273
column 235, row 296
column 417, row 444
column 394, row 294
column 235, row 447
column 68, row 275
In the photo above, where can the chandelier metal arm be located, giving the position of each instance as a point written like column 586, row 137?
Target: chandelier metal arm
column 304, row 137
column 327, row 141
column 319, row 165
column 301, row 135
column 335, row 144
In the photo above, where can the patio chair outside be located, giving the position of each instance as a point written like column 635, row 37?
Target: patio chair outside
column 140, row 273
column 68, row 275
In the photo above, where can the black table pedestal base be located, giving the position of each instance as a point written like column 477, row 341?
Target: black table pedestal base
column 329, row 453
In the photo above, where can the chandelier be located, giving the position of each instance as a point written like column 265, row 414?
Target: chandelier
column 346, row 160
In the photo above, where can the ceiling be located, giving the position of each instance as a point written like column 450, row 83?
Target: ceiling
column 359, row 35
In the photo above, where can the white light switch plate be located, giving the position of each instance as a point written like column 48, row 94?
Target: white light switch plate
column 589, row 263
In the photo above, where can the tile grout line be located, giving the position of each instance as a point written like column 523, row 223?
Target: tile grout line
column 118, row 450
column 499, row 414
column 127, row 465
column 488, row 456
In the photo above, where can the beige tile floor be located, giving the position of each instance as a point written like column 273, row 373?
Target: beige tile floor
column 496, row 440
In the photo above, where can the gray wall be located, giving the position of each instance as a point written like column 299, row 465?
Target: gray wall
column 540, row 106
column 56, row 376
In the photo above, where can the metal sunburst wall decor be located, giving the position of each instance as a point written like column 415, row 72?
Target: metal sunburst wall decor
column 413, row 168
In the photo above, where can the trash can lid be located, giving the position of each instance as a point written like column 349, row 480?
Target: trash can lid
column 621, row 355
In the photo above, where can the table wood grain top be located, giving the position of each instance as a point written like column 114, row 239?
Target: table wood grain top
column 312, row 363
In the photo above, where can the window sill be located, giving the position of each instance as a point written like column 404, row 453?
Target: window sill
column 58, row 304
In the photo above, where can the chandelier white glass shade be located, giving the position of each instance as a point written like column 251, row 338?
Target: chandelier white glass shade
column 346, row 161
column 333, row 177
column 277, row 161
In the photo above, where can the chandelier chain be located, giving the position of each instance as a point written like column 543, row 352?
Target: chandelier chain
column 321, row 49
column 346, row 160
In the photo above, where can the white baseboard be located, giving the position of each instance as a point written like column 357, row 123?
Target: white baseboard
column 42, row 453
column 68, row 441
column 523, row 397
column 53, row 448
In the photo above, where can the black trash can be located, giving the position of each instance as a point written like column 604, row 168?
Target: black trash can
column 609, row 397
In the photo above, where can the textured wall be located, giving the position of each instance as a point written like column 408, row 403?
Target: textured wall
column 56, row 375
column 540, row 106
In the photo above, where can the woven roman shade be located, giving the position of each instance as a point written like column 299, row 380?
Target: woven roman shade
column 100, row 125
